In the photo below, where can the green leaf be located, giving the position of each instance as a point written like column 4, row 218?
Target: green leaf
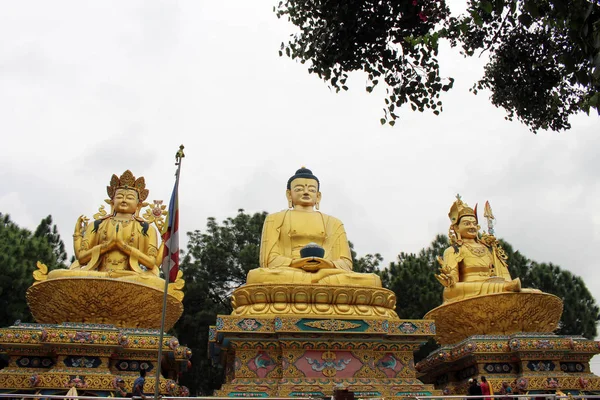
column 392, row 123
column 526, row 20
column 486, row 6
column 382, row 120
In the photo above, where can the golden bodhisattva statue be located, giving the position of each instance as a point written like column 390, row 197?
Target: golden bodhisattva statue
column 303, row 245
column 117, row 265
column 472, row 266
column 120, row 244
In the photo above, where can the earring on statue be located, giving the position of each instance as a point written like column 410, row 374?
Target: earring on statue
column 317, row 205
column 290, row 204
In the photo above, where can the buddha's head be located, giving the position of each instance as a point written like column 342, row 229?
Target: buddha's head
column 126, row 193
column 464, row 223
column 303, row 189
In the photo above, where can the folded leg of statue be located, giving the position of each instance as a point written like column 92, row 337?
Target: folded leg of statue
column 333, row 276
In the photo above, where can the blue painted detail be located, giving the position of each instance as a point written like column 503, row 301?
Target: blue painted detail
column 305, row 394
column 247, row 394
column 278, row 323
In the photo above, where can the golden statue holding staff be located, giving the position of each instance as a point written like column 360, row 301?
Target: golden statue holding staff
column 480, row 296
column 303, row 245
column 472, row 266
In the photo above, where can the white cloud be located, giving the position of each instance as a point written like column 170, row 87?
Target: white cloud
column 88, row 90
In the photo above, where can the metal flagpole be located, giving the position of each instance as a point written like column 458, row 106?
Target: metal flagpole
column 178, row 158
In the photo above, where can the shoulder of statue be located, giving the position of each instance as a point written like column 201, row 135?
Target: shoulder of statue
column 276, row 218
column 453, row 252
column 97, row 222
column 331, row 220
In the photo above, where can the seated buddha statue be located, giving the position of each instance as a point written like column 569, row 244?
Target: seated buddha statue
column 119, row 245
column 287, row 234
column 472, row 266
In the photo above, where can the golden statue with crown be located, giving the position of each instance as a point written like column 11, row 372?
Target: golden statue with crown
column 472, row 266
column 118, row 250
column 480, row 296
column 97, row 322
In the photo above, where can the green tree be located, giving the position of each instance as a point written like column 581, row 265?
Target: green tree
column 20, row 249
column 544, row 54
column 580, row 313
column 367, row 264
column 216, row 262
column 412, row 278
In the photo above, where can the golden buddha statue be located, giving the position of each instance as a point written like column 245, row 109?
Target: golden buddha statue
column 472, row 266
column 121, row 244
column 291, row 234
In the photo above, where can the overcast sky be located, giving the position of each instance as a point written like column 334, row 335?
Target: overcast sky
column 91, row 89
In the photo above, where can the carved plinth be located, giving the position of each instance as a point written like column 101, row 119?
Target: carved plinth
column 89, row 357
column 496, row 314
column 313, row 300
column 101, row 301
column 535, row 361
column 296, row 356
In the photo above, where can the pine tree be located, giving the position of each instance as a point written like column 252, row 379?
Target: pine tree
column 19, row 252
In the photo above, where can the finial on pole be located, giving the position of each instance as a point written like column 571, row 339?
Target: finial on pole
column 179, row 155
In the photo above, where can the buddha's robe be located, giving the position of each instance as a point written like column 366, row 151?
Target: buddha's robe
column 285, row 233
column 116, row 264
column 476, row 271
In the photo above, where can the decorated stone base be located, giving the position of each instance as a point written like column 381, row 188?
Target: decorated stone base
column 295, row 356
column 529, row 362
column 333, row 301
column 101, row 301
column 496, row 314
column 44, row 358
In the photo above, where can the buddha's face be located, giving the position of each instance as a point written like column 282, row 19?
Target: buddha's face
column 468, row 227
column 304, row 192
column 125, row 201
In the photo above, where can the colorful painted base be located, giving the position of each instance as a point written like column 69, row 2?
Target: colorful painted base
column 535, row 362
column 89, row 357
column 295, row 356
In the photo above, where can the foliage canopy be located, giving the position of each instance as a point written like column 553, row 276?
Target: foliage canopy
column 544, row 55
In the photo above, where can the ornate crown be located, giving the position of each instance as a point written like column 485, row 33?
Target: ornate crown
column 128, row 181
column 460, row 209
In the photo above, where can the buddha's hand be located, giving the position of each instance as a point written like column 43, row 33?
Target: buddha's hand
column 445, row 280
column 311, row 264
